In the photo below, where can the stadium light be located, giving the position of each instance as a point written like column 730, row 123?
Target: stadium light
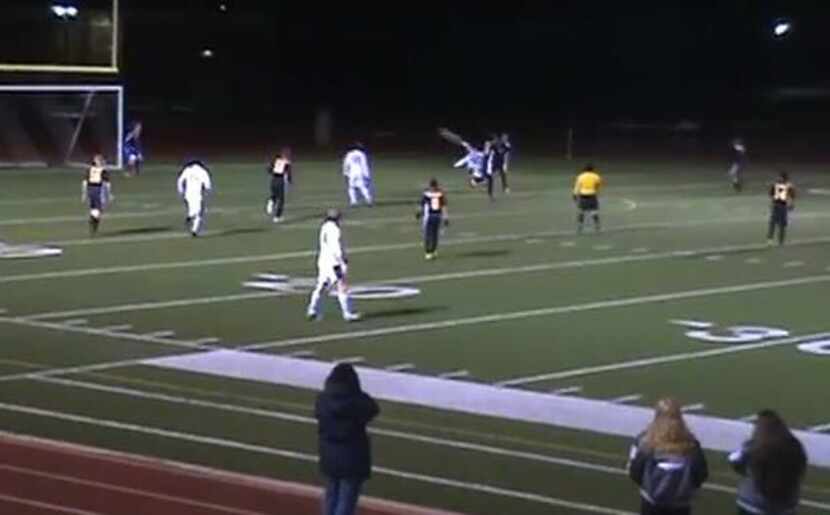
column 207, row 53
column 781, row 28
column 223, row 7
column 64, row 11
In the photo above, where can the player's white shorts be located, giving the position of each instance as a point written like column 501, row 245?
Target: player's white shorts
column 194, row 206
column 328, row 277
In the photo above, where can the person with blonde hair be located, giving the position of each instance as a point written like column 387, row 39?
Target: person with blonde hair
column 773, row 463
column 667, row 463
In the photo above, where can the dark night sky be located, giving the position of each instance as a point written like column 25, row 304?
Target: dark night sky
column 571, row 59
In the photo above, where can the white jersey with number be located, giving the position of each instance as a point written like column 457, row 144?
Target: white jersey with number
column 194, row 181
column 330, row 250
column 356, row 167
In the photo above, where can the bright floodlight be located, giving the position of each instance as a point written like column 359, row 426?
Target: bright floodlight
column 223, row 7
column 782, row 28
column 64, row 11
column 207, row 53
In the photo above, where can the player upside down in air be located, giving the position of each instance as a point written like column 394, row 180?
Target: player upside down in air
column 782, row 194
column 97, row 190
column 586, row 195
column 280, row 172
column 433, row 212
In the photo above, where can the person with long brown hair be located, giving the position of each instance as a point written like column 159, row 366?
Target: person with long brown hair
column 667, row 463
column 773, row 463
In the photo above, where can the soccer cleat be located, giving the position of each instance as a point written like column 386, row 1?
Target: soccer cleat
column 770, row 242
column 507, row 191
column 429, row 256
column 312, row 317
column 277, row 219
column 352, row 317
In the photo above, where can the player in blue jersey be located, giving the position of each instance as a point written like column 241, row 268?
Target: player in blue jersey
column 133, row 156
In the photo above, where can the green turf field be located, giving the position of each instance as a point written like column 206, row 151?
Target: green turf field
column 516, row 305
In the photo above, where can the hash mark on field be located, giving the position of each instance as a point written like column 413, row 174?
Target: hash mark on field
column 401, row 367
column 754, row 261
column 694, row 324
column 351, row 360
column 568, row 244
column 693, row 407
column 819, row 429
column 533, row 241
column 75, row 321
column 567, row 390
column 161, row 334
column 455, row 374
column 210, row 340
column 302, row 354
column 117, row 328
column 625, row 399
column 714, row 258
column 793, row 264
column 640, row 250
column 603, row 247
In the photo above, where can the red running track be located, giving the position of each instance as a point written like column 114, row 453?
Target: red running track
column 43, row 477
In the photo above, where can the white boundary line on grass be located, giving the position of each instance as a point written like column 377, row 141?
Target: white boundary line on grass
column 532, row 313
column 489, row 272
column 305, row 457
column 389, row 433
column 45, row 505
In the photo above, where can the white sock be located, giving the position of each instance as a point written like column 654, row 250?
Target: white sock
column 352, row 195
column 269, row 207
column 314, row 301
column 345, row 304
column 197, row 222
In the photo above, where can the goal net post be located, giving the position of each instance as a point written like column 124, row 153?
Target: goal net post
column 60, row 125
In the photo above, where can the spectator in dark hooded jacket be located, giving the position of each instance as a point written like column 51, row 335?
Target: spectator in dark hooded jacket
column 343, row 410
column 773, row 463
column 666, row 461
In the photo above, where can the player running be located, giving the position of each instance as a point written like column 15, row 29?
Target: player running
column 497, row 161
column 433, row 211
column 193, row 185
column 133, row 157
column 332, row 265
column 782, row 194
column 358, row 175
column 97, row 190
column 738, row 164
column 586, row 195
column 280, row 172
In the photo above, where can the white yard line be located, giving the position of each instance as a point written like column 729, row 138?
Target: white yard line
column 401, row 435
column 302, row 354
column 352, row 360
column 820, row 429
column 117, row 328
column 161, row 334
column 689, row 408
column 184, row 502
column 304, row 457
column 541, row 312
column 568, row 390
column 401, row 367
column 455, row 374
column 31, row 503
column 487, row 272
column 657, row 360
column 626, row 399
column 76, row 321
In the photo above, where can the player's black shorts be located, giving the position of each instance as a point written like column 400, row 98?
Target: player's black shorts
column 95, row 196
column 588, row 203
column 277, row 186
column 779, row 214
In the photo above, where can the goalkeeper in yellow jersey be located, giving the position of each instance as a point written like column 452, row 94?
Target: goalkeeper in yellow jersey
column 586, row 196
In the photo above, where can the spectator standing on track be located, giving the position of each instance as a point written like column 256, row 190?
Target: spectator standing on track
column 667, row 462
column 343, row 410
column 773, row 463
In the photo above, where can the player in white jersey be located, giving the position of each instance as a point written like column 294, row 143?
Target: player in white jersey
column 193, row 185
column 331, row 269
column 358, row 175
column 473, row 162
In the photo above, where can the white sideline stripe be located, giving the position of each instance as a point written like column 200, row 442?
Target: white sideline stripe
column 793, row 264
column 416, row 279
column 351, row 360
column 99, row 485
column 401, row 367
column 625, row 399
column 161, row 334
column 290, row 417
column 693, row 407
column 820, row 429
column 45, row 505
column 76, row 321
column 117, row 328
column 301, row 354
column 531, row 313
column 309, row 458
column 153, row 305
column 475, row 398
column 84, row 272
column 658, row 360
column 455, row 374
column 567, row 390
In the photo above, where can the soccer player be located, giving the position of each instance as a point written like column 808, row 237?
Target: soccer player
column 133, row 157
column 193, row 185
column 97, row 190
column 280, row 172
column 473, row 162
column 738, row 165
column 331, row 269
column 358, row 175
column 497, row 161
column 433, row 210
column 586, row 196
column 782, row 194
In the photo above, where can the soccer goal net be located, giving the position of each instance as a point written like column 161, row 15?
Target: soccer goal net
column 60, row 125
